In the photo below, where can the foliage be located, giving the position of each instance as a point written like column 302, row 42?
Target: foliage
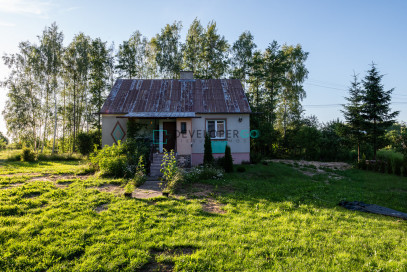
column 241, row 169
column 208, row 157
column 110, row 160
column 200, row 173
column 3, row 141
column 28, row 155
column 352, row 113
column 376, row 110
column 172, row 176
column 168, row 53
column 228, row 161
column 84, row 143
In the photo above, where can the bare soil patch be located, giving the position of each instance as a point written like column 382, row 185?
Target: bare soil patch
column 208, row 193
column 317, row 164
column 110, row 188
column 212, row 206
column 168, row 265
column 313, row 168
column 101, row 208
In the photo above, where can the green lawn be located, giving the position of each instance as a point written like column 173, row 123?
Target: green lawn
column 274, row 219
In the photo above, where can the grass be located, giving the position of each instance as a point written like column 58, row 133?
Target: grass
column 276, row 219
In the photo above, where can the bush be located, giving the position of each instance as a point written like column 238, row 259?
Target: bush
column 241, row 169
column 397, row 163
column 27, row 154
column 172, row 175
column 219, row 162
column 58, row 157
column 405, row 167
column 110, row 160
column 228, row 163
column 84, row 142
column 255, row 157
column 203, row 173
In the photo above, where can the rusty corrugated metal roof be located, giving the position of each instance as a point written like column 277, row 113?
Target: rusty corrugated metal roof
column 176, row 95
column 160, row 115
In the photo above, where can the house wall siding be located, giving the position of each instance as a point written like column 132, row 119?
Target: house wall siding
column 237, row 139
column 108, row 124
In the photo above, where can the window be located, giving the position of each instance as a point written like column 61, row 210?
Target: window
column 183, row 127
column 216, row 129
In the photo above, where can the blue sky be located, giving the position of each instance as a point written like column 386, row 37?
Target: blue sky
column 341, row 36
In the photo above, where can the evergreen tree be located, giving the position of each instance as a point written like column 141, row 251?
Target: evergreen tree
column 353, row 113
column 228, row 163
column 208, row 157
column 376, row 107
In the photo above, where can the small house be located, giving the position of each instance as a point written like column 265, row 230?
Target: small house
column 176, row 114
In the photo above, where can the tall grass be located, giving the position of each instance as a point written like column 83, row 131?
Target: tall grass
column 395, row 162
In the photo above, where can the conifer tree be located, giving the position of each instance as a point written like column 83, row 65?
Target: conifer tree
column 376, row 107
column 208, row 157
column 228, row 163
column 352, row 113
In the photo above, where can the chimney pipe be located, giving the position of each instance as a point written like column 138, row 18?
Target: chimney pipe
column 186, row 75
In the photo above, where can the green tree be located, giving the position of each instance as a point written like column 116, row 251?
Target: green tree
column 376, row 107
column 131, row 56
column 353, row 113
column 228, row 163
column 22, row 111
column 168, row 50
column 98, row 76
column 214, row 55
column 291, row 94
column 51, row 49
column 76, row 61
column 208, row 157
column 193, row 47
column 242, row 55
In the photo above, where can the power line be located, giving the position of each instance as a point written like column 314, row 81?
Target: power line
column 336, row 105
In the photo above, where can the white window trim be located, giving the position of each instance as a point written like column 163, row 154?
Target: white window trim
column 216, row 128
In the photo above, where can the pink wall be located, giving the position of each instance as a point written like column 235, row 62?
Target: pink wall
column 197, row 158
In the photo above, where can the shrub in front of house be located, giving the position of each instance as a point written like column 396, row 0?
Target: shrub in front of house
column 228, row 163
column 173, row 176
column 110, row 160
column 84, row 143
column 28, row 155
column 208, row 157
column 241, row 169
column 199, row 173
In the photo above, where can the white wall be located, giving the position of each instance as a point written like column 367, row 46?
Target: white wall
column 108, row 123
column 237, row 143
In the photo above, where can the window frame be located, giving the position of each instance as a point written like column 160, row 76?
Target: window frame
column 216, row 128
column 183, row 127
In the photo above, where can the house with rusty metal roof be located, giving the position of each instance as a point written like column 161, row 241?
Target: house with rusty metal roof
column 176, row 114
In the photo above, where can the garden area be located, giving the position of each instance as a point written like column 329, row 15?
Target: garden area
column 62, row 215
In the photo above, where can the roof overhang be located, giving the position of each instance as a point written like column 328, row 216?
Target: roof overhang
column 159, row 115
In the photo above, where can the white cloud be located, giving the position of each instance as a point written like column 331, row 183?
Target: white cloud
column 72, row 8
column 7, row 24
column 29, row 7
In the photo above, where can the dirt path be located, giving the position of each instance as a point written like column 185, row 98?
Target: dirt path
column 151, row 188
column 317, row 164
column 313, row 168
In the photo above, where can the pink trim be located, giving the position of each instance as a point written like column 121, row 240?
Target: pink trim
column 197, row 158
